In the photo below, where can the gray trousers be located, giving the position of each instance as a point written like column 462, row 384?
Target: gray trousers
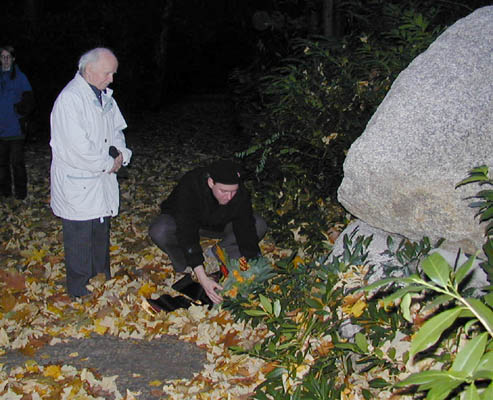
column 87, row 252
column 163, row 233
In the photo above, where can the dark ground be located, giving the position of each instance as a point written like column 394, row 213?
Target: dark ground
column 136, row 362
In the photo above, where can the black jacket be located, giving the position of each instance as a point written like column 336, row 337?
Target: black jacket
column 193, row 207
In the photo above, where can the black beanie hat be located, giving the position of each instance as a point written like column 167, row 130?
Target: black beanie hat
column 225, row 172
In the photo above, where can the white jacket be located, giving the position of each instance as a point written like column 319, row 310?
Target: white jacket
column 81, row 133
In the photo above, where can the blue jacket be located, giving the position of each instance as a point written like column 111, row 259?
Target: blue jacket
column 10, row 94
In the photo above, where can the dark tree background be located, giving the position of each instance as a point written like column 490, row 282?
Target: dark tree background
column 166, row 48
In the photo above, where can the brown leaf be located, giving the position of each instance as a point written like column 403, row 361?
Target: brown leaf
column 13, row 280
column 230, row 338
column 34, row 345
column 7, row 302
column 269, row 367
column 222, row 318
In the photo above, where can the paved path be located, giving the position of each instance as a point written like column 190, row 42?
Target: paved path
column 136, row 362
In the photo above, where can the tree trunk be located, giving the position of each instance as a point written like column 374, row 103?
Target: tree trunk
column 32, row 10
column 161, row 51
column 328, row 17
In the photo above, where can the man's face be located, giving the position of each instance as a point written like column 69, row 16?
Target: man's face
column 100, row 73
column 223, row 193
column 6, row 60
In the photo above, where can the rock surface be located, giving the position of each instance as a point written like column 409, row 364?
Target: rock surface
column 433, row 127
column 382, row 263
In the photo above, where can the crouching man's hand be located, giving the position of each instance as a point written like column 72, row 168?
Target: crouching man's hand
column 210, row 286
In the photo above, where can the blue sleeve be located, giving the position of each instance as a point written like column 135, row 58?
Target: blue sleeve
column 23, row 83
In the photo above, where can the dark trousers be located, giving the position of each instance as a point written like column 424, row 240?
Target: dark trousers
column 87, row 252
column 163, row 233
column 12, row 165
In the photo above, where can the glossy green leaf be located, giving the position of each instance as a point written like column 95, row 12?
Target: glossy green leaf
column 471, row 393
column 432, row 329
column 437, row 269
column 277, row 308
column 378, row 383
column 266, row 304
column 484, row 312
column 440, row 390
column 361, row 342
column 489, row 299
column 255, row 313
column 487, row 214
column 314, row 303
column 426, row 377
column 276, row 373
column 468, row 357
column 488, row 393
column 469, row 324
column 405, row 307
column 464, row 269
column 438, row 301
column 485, row 194
column 379, row 284
column 401, row 292
column 486, row 362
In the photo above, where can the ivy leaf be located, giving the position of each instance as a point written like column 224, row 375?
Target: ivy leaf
column 437, row 269
column 432, row 329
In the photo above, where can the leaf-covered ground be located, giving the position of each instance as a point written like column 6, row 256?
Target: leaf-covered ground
column 35, row 310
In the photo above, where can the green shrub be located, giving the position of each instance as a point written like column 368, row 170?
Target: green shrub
column 313, row 106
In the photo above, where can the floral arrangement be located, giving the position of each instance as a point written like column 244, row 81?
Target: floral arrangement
column 242, row 277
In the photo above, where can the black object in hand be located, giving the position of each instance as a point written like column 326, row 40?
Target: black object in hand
column 113, row 152
column 122, row 172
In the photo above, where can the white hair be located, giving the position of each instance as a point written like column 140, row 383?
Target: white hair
column 92, row 56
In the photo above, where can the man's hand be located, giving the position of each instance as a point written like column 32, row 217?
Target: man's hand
column 117, row 164
column 209, row 285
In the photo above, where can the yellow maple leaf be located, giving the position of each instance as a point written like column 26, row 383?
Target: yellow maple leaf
column 99, row 328
column 53, row 371
column 298, row 261
column 355, row 309
column 155, row 383
column 146, row 290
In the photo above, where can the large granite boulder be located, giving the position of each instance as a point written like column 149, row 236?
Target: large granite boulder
column 433, row 127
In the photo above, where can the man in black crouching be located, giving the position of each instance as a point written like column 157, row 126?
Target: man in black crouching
column 210, row 202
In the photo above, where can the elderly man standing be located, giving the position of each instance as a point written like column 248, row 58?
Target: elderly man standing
column 86, row 127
